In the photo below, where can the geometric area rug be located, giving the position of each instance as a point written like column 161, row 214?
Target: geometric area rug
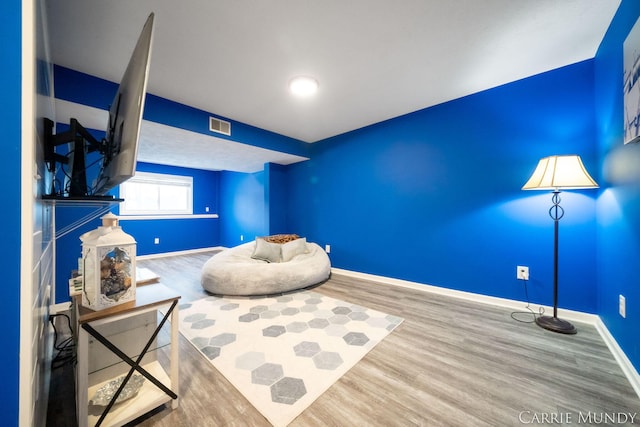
column 283, row 351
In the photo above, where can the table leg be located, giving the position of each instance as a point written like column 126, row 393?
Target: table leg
column 175, row 361
column 82, row 386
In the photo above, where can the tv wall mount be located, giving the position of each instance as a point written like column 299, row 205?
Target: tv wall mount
column 82, row 143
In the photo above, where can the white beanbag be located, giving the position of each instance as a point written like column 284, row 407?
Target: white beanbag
column 234, row 271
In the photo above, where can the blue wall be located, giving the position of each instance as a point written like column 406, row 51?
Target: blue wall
column 434, row 196
column 619, row 201
column 253, row 204
column 276, row 197
column 242, row 207
column 10, row 107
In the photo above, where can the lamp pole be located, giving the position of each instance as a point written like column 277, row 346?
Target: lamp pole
column 547, row 322
column 556, row 212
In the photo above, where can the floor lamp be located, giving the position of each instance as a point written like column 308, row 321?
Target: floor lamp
column 557, row 173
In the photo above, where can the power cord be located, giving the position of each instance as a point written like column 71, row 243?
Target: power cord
column 65, row 348
column 528, row 307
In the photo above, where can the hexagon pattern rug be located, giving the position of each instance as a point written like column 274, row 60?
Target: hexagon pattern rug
column 282, row 352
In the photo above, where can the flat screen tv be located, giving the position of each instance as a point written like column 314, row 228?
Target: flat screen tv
column 118, row 150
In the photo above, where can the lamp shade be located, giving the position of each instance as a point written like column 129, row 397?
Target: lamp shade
column 558, row 172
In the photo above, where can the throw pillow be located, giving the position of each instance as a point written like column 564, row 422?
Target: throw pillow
column 266, row 251
column 293, row 248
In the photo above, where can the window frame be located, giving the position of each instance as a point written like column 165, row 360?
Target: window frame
column 158, row 179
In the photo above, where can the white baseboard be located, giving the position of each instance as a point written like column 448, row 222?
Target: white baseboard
column 625, row 364
column 177, row 253
column 576, row 316
column 593, row 319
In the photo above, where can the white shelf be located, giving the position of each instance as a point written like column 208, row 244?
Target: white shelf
column 149, row 397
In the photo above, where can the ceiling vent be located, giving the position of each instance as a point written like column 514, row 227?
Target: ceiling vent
column 219, row 126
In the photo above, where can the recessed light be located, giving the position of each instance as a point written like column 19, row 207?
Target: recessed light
column 303, row 86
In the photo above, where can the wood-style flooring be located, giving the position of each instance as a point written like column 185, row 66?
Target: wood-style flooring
column 451, row 362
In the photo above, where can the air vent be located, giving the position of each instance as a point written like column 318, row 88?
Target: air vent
column 219, row 126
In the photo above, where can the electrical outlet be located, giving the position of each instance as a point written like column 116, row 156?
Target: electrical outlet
column 156, row 241
column 522, row 272
column 242, row 237
column 622, row 307
column 327, row 248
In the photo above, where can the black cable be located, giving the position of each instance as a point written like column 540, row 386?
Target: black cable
column 528, row 307
column 92, row 189
column 98, row 182
column 66, row 348
column 69, row 175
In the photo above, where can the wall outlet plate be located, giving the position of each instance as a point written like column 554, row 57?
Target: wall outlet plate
column 622, row 306
column 522, row 272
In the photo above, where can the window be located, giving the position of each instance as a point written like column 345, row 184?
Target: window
column 157, row 194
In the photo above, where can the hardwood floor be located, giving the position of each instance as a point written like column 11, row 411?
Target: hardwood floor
column 451, row 362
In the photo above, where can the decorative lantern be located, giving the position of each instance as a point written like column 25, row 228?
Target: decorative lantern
column 108, row 265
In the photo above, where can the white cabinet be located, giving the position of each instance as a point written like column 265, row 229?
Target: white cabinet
column 135, row 338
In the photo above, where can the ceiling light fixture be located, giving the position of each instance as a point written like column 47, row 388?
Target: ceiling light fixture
column 303, row 86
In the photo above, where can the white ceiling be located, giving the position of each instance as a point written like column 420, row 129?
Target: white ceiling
column 374, row 59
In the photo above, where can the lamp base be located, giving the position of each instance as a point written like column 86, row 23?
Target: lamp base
column 556, row 325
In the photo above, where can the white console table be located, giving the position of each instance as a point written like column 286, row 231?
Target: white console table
column 132, row 334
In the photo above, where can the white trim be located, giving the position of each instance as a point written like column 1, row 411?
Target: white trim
column 577, row 316
column 140, row 217
column 623, row 361
column 625, row 364
column 28, row 317
column 177, row 253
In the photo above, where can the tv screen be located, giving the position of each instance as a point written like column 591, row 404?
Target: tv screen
column 125, row 116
